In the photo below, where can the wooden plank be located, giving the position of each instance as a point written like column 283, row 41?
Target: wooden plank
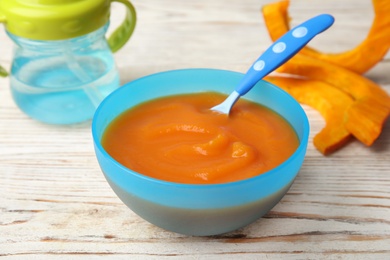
column 55, row 202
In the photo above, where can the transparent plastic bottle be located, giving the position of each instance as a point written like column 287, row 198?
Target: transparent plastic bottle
column 63, row 66
column 62, row 82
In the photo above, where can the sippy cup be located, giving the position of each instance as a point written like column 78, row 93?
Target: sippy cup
column 63, row 66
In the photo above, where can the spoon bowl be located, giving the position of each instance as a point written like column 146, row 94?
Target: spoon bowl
column 199, row 209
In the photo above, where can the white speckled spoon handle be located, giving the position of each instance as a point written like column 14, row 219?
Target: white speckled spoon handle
column 277, row 54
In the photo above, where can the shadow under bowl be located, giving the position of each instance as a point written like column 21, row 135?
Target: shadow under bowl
column 199, row 210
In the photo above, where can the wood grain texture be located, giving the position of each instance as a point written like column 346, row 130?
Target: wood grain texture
column 56, row 204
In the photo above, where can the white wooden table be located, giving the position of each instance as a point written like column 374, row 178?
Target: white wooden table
column 55, row 202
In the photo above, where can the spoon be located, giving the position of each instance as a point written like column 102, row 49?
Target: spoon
column 277, row 54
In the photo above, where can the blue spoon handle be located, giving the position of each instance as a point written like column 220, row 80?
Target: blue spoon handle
column 283, row 49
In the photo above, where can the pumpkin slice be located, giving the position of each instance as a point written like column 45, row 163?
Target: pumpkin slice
column 329, row 101
column 359, row 59
column 365, row 119
column 276, row 19
column 365, row 125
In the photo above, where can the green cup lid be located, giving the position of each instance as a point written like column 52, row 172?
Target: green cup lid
column 62, row 19
column 53, row 19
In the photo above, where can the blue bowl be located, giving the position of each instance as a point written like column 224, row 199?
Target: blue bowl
column 199, row 209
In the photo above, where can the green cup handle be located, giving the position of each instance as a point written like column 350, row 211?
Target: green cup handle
column 3, row 72
column 123, row 33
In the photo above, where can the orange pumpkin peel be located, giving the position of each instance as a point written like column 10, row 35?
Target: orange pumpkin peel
column 350, row 103
column 365, row 125
column 328, row 100
column 371, row 50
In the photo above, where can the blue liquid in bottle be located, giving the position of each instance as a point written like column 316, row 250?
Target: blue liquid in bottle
column 62, row 82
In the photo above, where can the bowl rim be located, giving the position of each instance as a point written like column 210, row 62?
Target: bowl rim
column 301, row 148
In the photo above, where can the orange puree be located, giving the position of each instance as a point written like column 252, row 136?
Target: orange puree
column 178, row 139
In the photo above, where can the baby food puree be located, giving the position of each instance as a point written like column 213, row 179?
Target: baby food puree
column 179, row 139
